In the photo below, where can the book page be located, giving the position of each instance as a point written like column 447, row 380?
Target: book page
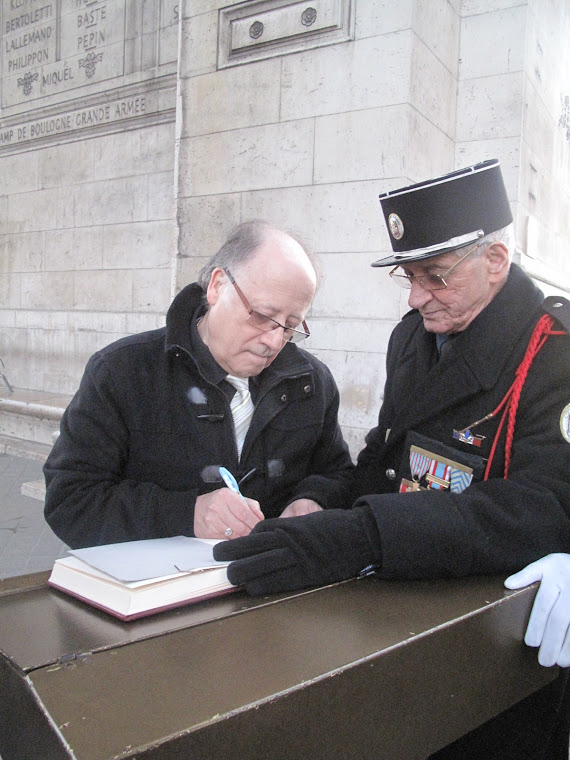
column 151, row 558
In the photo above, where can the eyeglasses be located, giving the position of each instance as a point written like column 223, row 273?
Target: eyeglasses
column 428, row 281
column 267, row 324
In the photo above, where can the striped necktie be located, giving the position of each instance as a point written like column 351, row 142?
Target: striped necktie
column 241, row 407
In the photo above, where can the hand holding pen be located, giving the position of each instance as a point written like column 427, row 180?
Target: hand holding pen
column 225, row 513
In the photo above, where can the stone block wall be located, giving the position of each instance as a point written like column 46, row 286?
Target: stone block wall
column 87, row 202
column 544, row 189
column 514, row 103
column 152, row 128
column 306, row 136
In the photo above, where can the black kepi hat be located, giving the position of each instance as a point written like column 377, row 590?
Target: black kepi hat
column 445, row 213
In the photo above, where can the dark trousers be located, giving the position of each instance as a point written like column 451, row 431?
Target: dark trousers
column 537, row 728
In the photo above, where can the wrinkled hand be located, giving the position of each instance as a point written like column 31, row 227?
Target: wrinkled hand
column 301, row 507
column 549, row 622
column 313, row 550
column 216, row 511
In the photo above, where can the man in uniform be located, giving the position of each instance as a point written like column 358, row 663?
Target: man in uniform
column 223, row 384
column 467, row 469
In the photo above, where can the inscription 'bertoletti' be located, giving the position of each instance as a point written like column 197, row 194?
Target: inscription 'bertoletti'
column 29, row 34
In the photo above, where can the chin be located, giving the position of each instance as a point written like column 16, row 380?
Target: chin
column 434, row 326
column 253, row 368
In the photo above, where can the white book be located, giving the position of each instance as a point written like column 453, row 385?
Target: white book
column 137, row 578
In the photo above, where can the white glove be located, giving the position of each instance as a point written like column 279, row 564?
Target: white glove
column 549, row 622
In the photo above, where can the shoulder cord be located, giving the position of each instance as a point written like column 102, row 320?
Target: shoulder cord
column 510, row 402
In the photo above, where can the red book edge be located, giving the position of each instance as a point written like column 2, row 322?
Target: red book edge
column 145, row 613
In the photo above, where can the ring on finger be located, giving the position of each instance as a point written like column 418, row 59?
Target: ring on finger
column 228, row 532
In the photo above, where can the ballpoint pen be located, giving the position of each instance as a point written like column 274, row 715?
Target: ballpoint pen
column 230, row 481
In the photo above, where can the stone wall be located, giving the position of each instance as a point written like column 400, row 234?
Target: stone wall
column 121, row 174
column 307, row 134
column 87, row 207
column 514, row 103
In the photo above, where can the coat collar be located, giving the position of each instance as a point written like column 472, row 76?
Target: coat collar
column 487, row 344
column 477, row 359
column 189, row 303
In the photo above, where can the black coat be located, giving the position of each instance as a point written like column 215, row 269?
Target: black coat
column 146, row 431
column 496, row 526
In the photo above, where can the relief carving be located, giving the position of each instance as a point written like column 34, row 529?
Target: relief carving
column 263, row 28
column 89, row 63
column 308, row 17
column 256, row 30
column 26, row 82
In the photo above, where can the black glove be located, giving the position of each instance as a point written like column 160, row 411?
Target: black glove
column 287, row 553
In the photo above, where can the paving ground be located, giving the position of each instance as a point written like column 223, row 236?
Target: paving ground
column 27, row 543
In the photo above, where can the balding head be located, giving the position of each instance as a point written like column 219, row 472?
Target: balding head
column 243, row 243
column 262, row 272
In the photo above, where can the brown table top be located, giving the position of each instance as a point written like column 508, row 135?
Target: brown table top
column 379, row 667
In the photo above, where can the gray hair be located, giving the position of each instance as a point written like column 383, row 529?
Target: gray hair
column 241, row 245
column 505, row 235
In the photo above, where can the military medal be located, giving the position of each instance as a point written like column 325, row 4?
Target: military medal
column 432, row 471
column 438, row 475
column 466, row 436
column 419, row 465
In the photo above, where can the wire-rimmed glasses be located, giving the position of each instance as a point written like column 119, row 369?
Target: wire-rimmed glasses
column 265, row 323
column 428, row 281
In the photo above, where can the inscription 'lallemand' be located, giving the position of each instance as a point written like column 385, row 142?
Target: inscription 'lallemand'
column 29, row 37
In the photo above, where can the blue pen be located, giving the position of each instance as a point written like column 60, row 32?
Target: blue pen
column 230, row 481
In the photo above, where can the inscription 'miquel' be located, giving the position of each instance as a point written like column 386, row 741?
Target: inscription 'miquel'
column 56, row 77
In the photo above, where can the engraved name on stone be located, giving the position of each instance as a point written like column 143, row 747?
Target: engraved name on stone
column 29, row 35
column 50, row 47
column 81, row 118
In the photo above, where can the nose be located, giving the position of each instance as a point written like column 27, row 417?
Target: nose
column 418, row 296
column 273, row 339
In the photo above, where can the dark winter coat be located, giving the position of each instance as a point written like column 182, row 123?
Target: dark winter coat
column 146, row 431
column 496, row 526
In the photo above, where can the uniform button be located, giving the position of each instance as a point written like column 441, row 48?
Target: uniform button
column 391, row 474
column 307, row 388
column 284, row 398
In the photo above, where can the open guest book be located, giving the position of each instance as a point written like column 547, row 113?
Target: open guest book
column 136, row 578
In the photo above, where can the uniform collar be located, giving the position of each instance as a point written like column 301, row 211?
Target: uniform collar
column 477, row 359
column 488, row 342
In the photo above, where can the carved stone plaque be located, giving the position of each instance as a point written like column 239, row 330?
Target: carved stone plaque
column 264, row 28
column 51, row 46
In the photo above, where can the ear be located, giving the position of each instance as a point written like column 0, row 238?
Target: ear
column 217, row 279
column 497, row 258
